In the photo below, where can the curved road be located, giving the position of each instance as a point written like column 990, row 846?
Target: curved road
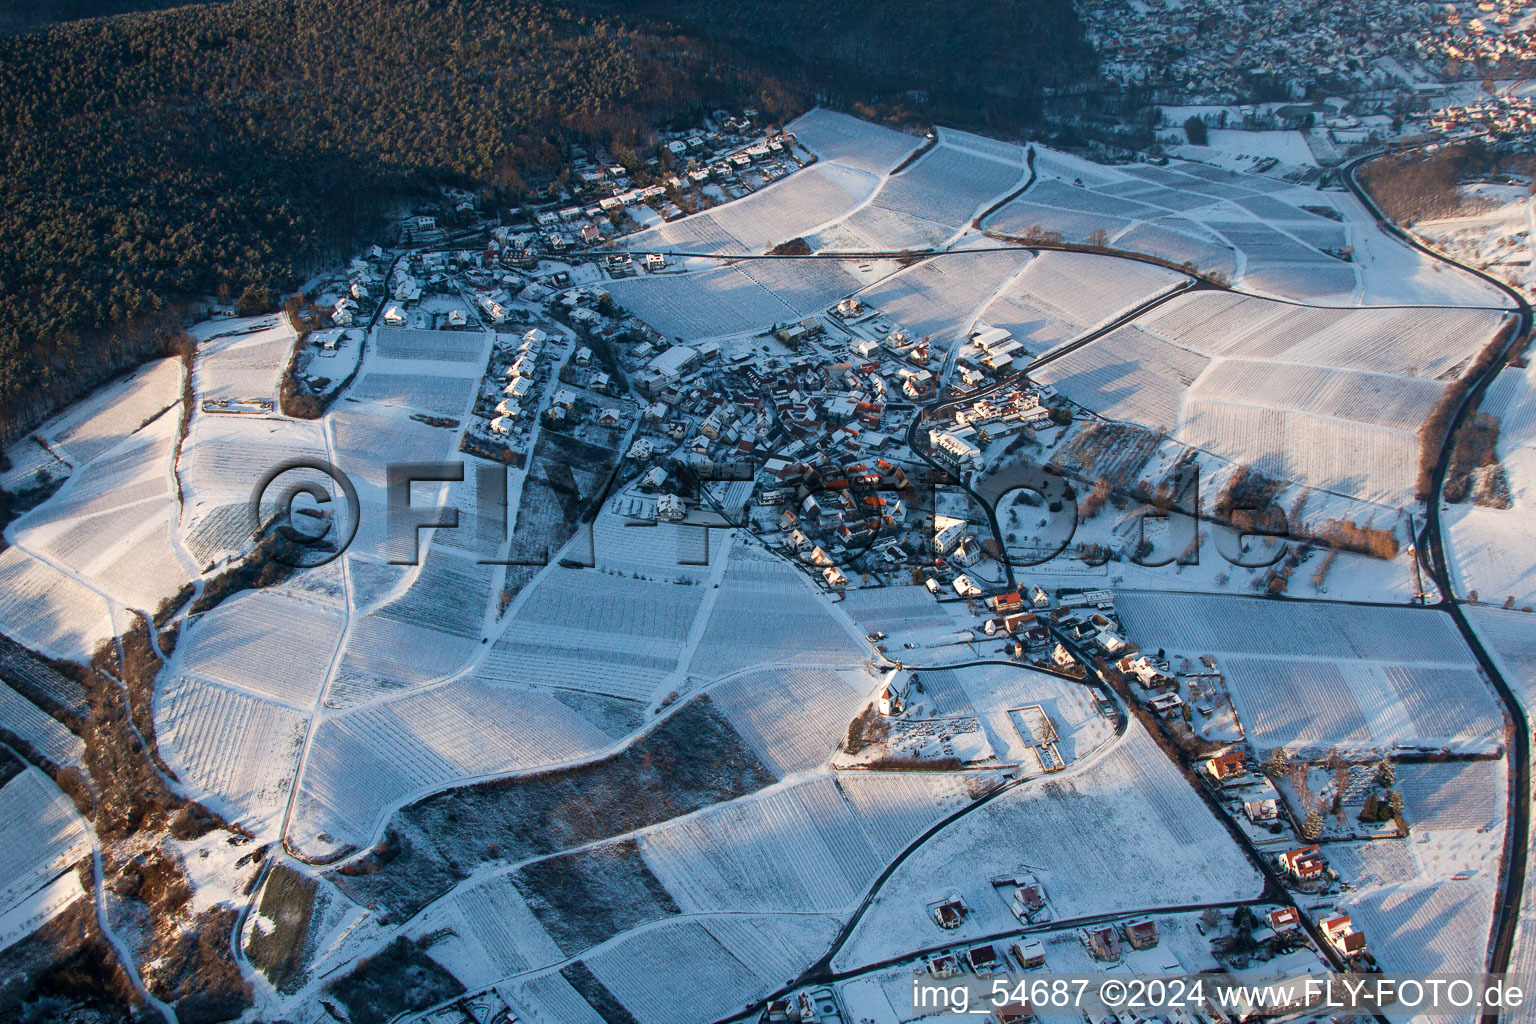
column 1432, row 554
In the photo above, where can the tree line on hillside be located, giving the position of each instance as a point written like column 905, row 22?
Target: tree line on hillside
column 154, row 158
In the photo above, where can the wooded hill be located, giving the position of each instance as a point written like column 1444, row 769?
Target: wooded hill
column 150, row 158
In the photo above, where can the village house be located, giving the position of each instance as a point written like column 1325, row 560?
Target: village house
column 1141, row 934
column 949, row 912
column 1103, row 942
column 983, row 959
column 1014, row 1013
column 1283, row 920
column 1304, row 864
column 1227, row 765
column 1262, row 811
column 1029, row 954
column 670, row 508
column 1341, row 933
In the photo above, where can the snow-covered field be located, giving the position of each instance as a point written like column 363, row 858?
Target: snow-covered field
column 1317, row 676
column 944, row 297
column 236, row 750
column 762, row 601
column 44, row 835
column 1330, row 399
column 1061, row 296
column 1493, row 551
column 730, row 300
column 1262, row 233
column 1071, row 831
column 733, row 961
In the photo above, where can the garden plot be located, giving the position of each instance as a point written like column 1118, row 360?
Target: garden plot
column 1316, row 704
column 766, row 613
column 94, row 426
column 981, row 145
column 792, row 848
column 1264, row 245
column 41, row 731
column 1330, row 399
column 1023, row 218
column 384, row 656
column 713, row 303
column 31, row 674
column 365, row 761
column 578, row 660
column 654, row 551
column 236, row 366
column 1316, row 676
column 1374, row 862
column 1423, row 929
column 1167, row 849
column 478, row 538
column 45, row 610
column 270, row 644
column 1212, row 624
column 944, row 296
column 111, row 522
column 680, row 973
column 44, row 836
column 1127, row 375
column 949, row 186
column 450, row 594
column 1060, row 296
column 792, row 718
column 222, row 460
column 850, row 141
column 574, row 599
column 430, row 346
column 1322, row 278
column 1511, row 642
column 238, row 751
column 138, row 471
column 878, row 228
column 700, row 234
column 145, row 570
column 589, row 631
column 795, row 205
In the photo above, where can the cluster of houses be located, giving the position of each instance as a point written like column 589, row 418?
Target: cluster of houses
column 1215, row 51
column 694, row 169
column 517, row 378
column 1492, row 117
column 1481, row 37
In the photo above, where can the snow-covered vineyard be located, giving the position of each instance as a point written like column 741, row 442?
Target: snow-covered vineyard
column 741, row 684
